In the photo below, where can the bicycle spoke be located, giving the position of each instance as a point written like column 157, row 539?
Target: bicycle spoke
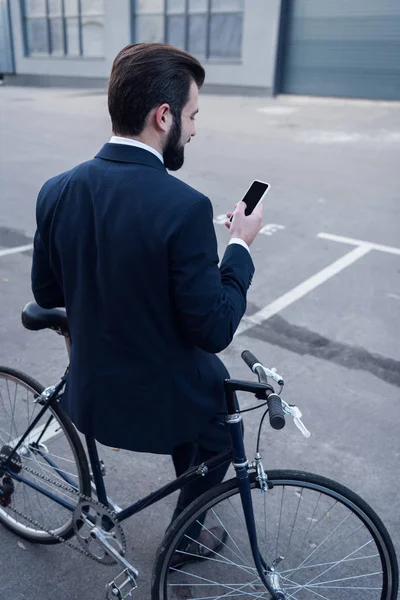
column 240, row 515
column 325, row 550
column 294, row 522
column 339, row 562
column 210, row 581
column 314, row 566
column 50, row 487
column 323, row 542
column 328, row 552
column 241, row 555
column 3, row 403
column 311, row 520
column 325, row 583
column 224, row 560
column 53, row 472
column 13, row 410
column 2, row 438
column 53, row 462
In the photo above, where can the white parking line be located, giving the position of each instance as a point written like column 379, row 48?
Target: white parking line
column 302, row 289
column 370, row 245
column 16, row 249
column 52, row 430
column 310, row 284
column 268, row 229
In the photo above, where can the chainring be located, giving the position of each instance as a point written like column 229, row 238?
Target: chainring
column 89, row 514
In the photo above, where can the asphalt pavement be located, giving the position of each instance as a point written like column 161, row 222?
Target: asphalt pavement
column 323, row 308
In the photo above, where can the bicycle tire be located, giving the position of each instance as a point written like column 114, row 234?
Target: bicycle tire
column 300, row 488
column 62, row 438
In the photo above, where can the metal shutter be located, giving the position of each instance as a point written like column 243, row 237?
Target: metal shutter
column 347, row 48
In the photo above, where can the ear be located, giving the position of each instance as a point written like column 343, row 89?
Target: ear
column 163, row 117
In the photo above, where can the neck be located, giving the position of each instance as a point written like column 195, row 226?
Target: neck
column 145, row 138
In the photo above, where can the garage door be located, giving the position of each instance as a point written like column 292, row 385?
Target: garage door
column 345, row 48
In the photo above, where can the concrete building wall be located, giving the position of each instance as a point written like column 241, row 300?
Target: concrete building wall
column 254, row 72
column 6, row 41
column 49, row 66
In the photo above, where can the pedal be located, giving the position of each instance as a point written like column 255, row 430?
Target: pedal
column 122, row 586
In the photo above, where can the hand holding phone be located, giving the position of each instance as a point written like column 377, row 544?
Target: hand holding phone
column 245, row 228
column 254, row 195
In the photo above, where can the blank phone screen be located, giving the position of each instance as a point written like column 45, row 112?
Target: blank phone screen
column 254, row 195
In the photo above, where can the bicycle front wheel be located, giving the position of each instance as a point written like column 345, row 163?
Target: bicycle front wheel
column 324, row 541
column 52, row 459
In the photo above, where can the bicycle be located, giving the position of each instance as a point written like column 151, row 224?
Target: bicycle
column 285, row 534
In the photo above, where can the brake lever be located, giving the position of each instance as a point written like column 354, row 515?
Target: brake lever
column 271, row 373
column 294, row 411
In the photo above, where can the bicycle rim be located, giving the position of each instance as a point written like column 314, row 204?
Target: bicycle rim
column 324, row 541
column 58, row 456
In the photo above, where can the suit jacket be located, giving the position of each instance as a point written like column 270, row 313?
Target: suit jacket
column 131, row 252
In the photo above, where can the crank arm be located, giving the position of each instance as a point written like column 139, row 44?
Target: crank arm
column 101, row 538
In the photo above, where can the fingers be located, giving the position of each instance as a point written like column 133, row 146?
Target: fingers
column 258, row 209
column 240, row 207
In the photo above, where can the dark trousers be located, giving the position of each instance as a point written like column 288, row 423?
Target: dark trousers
column 186, row 456
column 214, row 440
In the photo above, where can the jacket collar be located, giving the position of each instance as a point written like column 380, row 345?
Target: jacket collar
column 129, row 154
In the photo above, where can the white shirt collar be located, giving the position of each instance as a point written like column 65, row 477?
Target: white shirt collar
column 129, row 142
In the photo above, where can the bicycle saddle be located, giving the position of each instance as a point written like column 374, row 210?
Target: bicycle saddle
column 34, row 317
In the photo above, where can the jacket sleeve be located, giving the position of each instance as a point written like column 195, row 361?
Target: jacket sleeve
column 45, row 287
column 210, row 300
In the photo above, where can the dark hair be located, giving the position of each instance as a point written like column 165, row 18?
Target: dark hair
column 144, row 76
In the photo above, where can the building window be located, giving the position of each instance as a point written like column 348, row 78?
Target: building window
column 209, row 29
column 63, row 27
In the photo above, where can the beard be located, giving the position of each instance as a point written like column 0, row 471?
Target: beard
column 174, row 151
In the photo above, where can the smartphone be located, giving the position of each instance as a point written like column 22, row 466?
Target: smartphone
column 254, row 195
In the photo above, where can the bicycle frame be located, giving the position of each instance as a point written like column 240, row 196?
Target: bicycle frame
column 236, row 455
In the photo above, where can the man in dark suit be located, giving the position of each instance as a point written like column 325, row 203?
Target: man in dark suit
column 131, row 252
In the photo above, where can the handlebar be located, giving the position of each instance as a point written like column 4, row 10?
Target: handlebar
column 275, row 409
column 249, row 359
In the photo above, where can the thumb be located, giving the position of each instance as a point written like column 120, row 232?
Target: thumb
column 240, row 207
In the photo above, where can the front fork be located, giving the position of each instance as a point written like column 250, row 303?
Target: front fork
column 240, row 463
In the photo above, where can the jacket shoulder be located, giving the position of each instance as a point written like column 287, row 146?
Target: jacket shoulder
column 188, row 199
column 52, row 188
column 184, row 188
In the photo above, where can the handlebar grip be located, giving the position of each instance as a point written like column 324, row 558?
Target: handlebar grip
column 249, row 359
column 276, row 414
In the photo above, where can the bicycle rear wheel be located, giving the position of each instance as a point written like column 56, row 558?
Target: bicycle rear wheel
column 53, row 452
column 324, row 540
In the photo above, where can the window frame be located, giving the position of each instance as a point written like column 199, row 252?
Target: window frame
column 79, row 16
column 186, row 14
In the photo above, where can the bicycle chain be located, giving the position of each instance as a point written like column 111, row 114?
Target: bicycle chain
column 56, row 536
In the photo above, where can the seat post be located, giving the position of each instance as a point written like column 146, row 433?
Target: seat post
column 68, row 345
column 96, row 469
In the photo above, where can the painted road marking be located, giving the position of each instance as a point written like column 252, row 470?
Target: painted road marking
column 52, row 430
column 271, row 228
column 220, row 219
column 353, row 242
column 302, row 289
column 16, row 249
column 268, row 229
column 362, row 248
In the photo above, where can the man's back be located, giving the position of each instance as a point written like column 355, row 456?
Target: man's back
column 135, row 258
